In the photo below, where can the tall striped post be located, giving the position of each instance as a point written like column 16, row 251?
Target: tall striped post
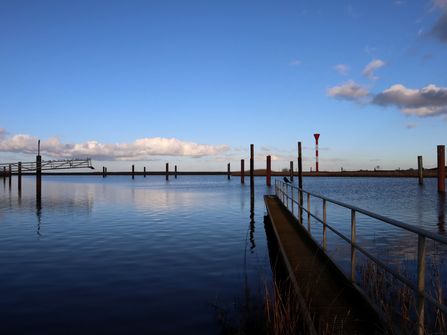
column 317, row 136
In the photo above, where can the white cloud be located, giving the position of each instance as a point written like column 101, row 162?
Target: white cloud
column 369, row 69
column 348, row 91
column 342, row 69
column 138, row 150
column 295, row 62
column 430, row 100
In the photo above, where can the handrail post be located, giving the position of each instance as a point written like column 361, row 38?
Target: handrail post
column 283, row 193
column 324, row 224
column 421, row 284
column 291, row 194
column 289, row 188
column 353, row 222
column 308, row 212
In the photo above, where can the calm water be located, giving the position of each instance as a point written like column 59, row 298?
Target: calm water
column 117, row 255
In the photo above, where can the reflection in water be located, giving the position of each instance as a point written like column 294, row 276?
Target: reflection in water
column 441, row 213
column 252, row 218
column 39, row 211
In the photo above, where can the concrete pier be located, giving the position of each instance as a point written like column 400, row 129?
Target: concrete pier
column 324, row 294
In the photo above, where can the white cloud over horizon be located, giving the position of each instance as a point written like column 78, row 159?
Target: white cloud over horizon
column 371, row 67
column 349, row 90
column 137, row 150
column 430, row 100
column 342, row 69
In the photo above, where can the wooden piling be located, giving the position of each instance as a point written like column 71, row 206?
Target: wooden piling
column 167, row 171
column 252, row 163
column 420, row 170
column 268, row 174
column 175, row 171
column 133, row 171
column 103, row 171
column 144, row 173
column 291, row 170
column 19, row 177
column 38, row 176
column 10, row 176
column 228, row 171
column 300, row 182
column 242, row 171
column 441, row 168
column 4, row 174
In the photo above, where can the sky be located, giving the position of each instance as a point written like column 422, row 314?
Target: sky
column 194, row 83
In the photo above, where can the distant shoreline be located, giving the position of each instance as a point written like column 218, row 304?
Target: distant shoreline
column 428, row 173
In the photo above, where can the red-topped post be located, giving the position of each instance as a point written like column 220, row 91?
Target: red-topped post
column 317, row 136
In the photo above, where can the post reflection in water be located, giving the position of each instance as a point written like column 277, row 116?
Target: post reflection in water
column 252, row 218
column 39, row 210
column 441, row 213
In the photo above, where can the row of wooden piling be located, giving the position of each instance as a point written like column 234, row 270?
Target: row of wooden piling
column 145, row 173
column 440, row 168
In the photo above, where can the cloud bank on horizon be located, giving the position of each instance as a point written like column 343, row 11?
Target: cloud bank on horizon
column 138, row 150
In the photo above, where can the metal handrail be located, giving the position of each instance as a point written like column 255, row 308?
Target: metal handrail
column 421, row 233
column 47, row 165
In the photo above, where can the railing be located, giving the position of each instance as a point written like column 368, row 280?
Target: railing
column 47, row 165
column 285, row 192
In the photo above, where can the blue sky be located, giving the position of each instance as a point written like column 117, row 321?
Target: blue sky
column 195, row 82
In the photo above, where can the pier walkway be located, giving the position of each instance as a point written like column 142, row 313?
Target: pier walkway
column 332, row 303
column 376, row 292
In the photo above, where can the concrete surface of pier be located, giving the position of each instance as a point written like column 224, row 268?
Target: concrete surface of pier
column 331, row 301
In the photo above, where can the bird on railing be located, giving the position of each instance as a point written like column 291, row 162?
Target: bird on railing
column 286, row 180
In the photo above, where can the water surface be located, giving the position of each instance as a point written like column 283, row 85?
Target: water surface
column 117, row 255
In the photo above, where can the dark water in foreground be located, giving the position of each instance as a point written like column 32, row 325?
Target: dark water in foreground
column 122, row 256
